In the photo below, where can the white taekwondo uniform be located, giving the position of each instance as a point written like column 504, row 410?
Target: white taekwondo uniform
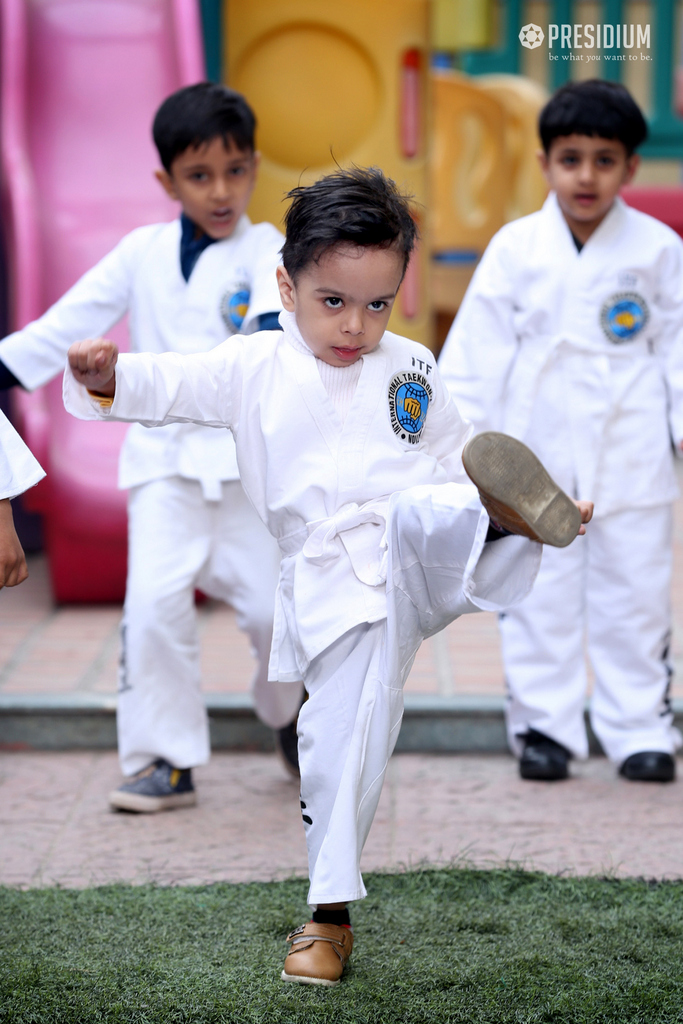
column 382, row 544
column 18, row 469
column 580, row 355
column 190, row 525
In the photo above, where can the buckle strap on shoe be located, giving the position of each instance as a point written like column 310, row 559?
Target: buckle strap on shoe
column 305, row 935
column 306, row 941
column 297, row 938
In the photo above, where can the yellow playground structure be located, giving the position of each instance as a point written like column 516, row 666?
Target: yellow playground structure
column 348, row 81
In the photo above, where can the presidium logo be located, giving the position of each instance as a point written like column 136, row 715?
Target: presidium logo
column 531, row 36
column 590, row 37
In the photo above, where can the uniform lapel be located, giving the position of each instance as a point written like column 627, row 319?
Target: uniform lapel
column 357, row 425
column 557, row 235
column 316, row 399
column 345, row 442
column 606, row 236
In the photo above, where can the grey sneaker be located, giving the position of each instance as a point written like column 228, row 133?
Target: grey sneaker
column 158, row 787
column 517, row 492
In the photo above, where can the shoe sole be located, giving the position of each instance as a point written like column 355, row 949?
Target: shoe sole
column 669, row 776
column 122, row 801
column 303, row 980
column 536, row 776
column 506, row 471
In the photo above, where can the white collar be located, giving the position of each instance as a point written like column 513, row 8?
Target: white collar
column 292, row 333
column 610, row 223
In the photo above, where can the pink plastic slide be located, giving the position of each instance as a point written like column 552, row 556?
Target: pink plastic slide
column 80, row 81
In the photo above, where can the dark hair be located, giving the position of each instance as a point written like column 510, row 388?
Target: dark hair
column 359, row 206
column 198, row 114
column 594, row 107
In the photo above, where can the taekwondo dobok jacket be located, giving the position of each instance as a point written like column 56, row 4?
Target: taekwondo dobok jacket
column 579, row 354
column 231, row 285
column 18, row 468
column 322, row 489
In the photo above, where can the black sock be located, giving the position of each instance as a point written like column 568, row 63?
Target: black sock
column 339, row 917
column 495, row 533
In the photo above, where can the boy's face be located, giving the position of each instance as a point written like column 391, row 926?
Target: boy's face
column 214, row 184
column 342, row 303
column 586, row 173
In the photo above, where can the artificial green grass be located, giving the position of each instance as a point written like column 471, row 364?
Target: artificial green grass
column 449, row 945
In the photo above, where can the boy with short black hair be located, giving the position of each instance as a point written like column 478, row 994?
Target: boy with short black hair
column 351, row 451
column 570, row 339
column 186, row 285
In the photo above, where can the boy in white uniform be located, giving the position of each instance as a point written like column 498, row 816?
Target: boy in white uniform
column 18, row 472
column 186, row 286
column 570, row 338
column 350, row 449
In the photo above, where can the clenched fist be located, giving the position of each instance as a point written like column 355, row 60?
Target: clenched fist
column 12, row 560
column 93, row 363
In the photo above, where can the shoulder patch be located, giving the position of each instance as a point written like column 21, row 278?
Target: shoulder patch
column 623, row 315
column 409, row 396
column 234, row 305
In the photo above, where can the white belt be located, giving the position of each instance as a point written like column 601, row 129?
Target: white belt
column 357, row 528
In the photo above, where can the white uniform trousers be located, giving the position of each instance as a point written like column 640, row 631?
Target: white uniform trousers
column 609, row 593
column 438, row 568
column 179, row 542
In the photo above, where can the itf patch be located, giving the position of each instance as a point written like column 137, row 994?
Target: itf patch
column 623, row 316
column 234, row 306
column 409, row 397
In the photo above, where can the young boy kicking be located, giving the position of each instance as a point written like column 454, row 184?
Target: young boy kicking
column 351, row 451
column 186, row 285
column 570, row 338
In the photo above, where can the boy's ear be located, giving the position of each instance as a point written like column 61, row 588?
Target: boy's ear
column 166, row 182
column 543, row 163
column 286, row 286
column 632, row 165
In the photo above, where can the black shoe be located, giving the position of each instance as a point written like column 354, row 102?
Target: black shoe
column 543, row 758
column 287, row 748
column 649, row 766
column 158, row 787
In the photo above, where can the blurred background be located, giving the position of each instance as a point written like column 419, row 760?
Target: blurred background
column 442, row 94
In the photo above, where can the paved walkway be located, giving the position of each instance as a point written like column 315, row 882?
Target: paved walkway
column 55, row 827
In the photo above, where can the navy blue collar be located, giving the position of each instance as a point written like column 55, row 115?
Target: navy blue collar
column 191, row 248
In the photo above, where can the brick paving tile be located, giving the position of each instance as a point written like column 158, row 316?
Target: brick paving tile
column 55, row 827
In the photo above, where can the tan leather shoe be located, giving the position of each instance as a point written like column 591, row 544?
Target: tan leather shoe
column 517, row 492
column 318, row 954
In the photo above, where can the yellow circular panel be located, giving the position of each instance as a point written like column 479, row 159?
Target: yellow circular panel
column 312, row 89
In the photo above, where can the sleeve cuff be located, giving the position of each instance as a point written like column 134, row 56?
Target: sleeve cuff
column 104, row 401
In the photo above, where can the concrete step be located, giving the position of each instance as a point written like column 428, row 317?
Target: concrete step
column 462, row 724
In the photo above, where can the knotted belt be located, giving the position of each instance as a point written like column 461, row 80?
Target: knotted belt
column 356, row 526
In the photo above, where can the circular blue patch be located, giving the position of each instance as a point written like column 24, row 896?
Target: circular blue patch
column 234, row 306
column 237, row 308
column 623, row 316
column 412, row 402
